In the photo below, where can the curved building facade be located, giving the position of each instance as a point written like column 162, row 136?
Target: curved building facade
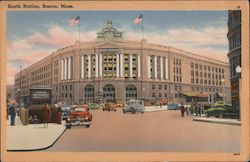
column 113, row 69
column 234, row 38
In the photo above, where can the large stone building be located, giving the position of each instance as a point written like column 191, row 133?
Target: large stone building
column 113, row 69
column 234, row 38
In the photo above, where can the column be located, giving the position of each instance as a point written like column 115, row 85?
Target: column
column 65, row 68
column 82, row 66
column 139, row 65
column 89, row 67
column 130, row 66
column 155, row 67
column 121, row 65
column 100, row 65
column 149, row 66
column 161, row 65
column 69, row 68
column 96, row 66
column 117, row 65
column 62, row 67
column 166, row 68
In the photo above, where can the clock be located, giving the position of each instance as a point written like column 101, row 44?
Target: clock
column 109, row 35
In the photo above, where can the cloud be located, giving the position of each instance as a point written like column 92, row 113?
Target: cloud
column 26, row 51
column 209, row 41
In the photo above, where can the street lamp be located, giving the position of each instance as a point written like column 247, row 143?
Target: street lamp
column 224, row 97
column 172, row 96
column 238, row 71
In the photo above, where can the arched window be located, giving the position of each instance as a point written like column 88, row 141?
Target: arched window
column 131, row 92
column 89, row 93
column 109, row 93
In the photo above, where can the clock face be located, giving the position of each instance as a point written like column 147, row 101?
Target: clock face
column 109, row 35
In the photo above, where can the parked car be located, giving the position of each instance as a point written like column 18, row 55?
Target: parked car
column 65, row 110
column 120, row 104
column 221, row 112
column 173, row 106
column 134, row 106
column 109, row 107
column 79, row 115
column 94, row 106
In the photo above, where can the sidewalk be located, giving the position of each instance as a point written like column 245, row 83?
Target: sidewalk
column 218, row 120
column 155, row 108
column 32, row 137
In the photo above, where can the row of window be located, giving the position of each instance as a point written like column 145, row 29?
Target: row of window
column 234, row 19
column 206, row 89
column 64, row 87
column 205, row 67
column 235, row 40
column 41, row 70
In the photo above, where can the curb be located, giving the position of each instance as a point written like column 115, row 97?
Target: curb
column 218, row 122
column 155, row 110
column 40, row 149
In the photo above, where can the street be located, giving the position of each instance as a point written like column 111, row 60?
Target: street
column 155, row 131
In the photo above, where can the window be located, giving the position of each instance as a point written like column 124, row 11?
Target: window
column 70, row 87
column 166, row 87
column 176, row 87
column 192, row 65
column 196, row 66
column 159, row 86
column 159, row 94
column 166, row 95
column 153, row 86
column 180, row 87
column 153, row 95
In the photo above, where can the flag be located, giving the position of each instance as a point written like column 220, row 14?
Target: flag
column 138, row 19
column 75, row 20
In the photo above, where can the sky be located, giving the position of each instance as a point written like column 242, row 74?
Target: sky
column 33, row 35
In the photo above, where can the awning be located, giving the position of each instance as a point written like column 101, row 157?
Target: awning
column 189, row 93
column 219, row 94
column 193, row 94
column 203, row 94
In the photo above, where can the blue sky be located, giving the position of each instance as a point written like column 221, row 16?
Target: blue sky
column 32, row 35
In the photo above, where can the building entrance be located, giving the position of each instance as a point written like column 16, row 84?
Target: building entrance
column 109, row 93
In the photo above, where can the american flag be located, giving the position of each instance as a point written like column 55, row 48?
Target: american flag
column 138, row 19
column 75, row 20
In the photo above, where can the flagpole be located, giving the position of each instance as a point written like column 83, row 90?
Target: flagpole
column 79, row 28
column 141, row 57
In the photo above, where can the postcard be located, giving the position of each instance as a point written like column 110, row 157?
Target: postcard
column 124, row 81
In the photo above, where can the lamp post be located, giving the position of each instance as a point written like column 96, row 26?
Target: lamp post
column 172, row 97
column 224, row 97
column 238, row 71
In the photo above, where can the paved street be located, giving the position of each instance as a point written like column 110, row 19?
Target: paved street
column 154, row 131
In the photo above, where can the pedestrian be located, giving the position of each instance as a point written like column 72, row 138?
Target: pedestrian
column 199, row 109
column 186, row 109
column 196, row 110
column 182, row 110
column 12, row 110
column 46, row 114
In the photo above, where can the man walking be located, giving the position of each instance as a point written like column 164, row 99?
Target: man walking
column 12, row 110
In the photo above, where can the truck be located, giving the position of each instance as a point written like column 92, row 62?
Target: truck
column 134, row 106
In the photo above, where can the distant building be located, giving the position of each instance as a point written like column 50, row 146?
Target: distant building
column 234, row 54
column 113, row 69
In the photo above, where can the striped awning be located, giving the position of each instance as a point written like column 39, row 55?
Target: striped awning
column 189, row 93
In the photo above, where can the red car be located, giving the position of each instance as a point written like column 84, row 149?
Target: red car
column 79, row 115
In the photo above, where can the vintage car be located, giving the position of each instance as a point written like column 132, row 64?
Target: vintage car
column 79, row 115
column 120, row 104
column 134, row 106
column 109, row 107
column 65, row 111
column 94, row 106
column 173, row 106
